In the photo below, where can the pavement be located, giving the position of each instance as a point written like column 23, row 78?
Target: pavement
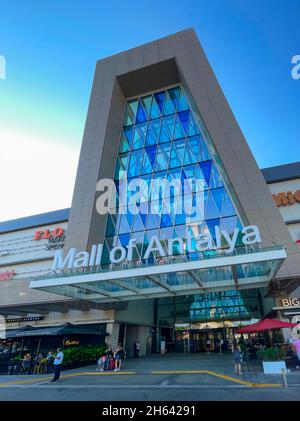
column 173, row 377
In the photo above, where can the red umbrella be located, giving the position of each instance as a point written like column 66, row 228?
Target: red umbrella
column 265, row 324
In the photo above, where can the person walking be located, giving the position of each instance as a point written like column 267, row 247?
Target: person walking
column 57, row 364
column 237, row 358
column 136, row 349
column 208, row 345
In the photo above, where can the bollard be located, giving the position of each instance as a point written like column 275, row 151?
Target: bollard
column 283, row 372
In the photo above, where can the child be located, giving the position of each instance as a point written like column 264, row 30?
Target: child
column 101, row 363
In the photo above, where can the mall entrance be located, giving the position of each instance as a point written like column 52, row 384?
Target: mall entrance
column 194, row 323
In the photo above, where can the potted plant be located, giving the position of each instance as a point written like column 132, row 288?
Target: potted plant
column 273, row 360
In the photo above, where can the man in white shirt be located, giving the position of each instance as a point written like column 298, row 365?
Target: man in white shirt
column 57, row 364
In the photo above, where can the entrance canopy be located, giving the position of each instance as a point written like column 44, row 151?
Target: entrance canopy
column 264, row 325
column 248, row 269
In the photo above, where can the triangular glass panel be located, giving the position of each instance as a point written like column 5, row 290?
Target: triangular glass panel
column 125, row 223
column 215, row 178
column 189, row 156
column 146, row 167
column 180, row 219
column 211, row 224
column 218, row 198
column 110, row 227
column 227, row 206
column 184, row 119
column 204, row 152
column 124, row 145
column 170, row 123
column 128, row 131
column 124, row 239
column 174, row 159
column 105, row 255
column 182, row 103
column 206, row 170
column 165, row 221
column 193, row 128
column 139, row 135
column 138, row 223
column 154, row 112
column 169, row 106
column 133, row 106
column 151, row 152
column 174, row 95
column 146, row 103
column 153, row 132
column 164, row 135
column 135, row 163
column 178, row 132
column 180, row 148
column 229, row 224
column 140, row 115
column 159, row 97
column 129, row 117
column 162, row 157
column 152, row 221
column 211, row 210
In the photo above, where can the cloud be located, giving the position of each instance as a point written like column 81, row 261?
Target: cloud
column 35, row 176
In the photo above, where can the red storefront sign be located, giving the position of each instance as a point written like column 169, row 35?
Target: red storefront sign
column 6, row 276
column 46, row 234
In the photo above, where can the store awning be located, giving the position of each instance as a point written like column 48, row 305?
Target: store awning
column 172, row 276
column 61, row 330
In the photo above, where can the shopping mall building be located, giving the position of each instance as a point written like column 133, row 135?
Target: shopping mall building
column 230, row 257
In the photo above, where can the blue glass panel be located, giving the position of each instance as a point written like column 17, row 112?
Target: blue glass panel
column 218, row 198
column 159, row 97
column 174, row 159
column 129, row 117
column 154, row 112
column 146, row 167
column 138, row 223
column 139, row 135
column 125, row 223
column 162, row 157
column 124, row 145
column 164, row 135
column 182, row 103
column 178, row 132
column 169, row 106
column 153, row 132
column 165, row 221
column 152, row 221
column 193, row 128
column 227, row 206
column 128, row 131
column 180, row 149
column 124, row 239
column 151, row 152
column 133, row 107
column 204, row 152
column 105, row 255
column 135, row 163
column 211, row 210
column 141, row 115
column 229, row 224
column 215, row 178
column 189, row 157
column 170, row 123
column 211, row 226
column 184, row 118
column 206, row 170
column 174, row 95
column 110, row 227
column 146, row 103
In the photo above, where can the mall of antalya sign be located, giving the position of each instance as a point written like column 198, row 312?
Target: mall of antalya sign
column 120, row 254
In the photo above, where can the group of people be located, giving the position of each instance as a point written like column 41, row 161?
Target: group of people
column 111, row 360
column 41, row 364
column 38, row 364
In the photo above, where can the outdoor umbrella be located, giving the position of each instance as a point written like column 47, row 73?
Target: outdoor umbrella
column 264, row 325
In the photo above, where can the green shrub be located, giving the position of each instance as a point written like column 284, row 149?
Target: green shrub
column 83, row 354
column 271, row 354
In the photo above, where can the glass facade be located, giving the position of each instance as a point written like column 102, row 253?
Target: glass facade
column 161, row 138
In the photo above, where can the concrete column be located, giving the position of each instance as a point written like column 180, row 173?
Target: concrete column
column 113, row 329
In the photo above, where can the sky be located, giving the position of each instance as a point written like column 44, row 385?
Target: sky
column 51, row 48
